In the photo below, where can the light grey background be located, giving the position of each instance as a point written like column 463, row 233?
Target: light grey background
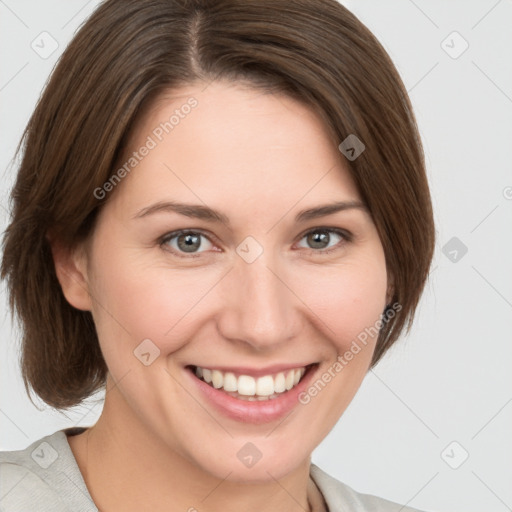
column 444, row 391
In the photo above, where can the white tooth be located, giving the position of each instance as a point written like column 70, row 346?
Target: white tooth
column 265, row 386
column 246, row 385
column 279, row 383
column 290, row 376
column 230, row 383
column 217, row 379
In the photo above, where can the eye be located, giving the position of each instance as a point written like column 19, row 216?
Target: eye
column 320, row 238
column 186, row 243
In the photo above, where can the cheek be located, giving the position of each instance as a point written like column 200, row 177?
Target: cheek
column 138, row 301
column 346, row 299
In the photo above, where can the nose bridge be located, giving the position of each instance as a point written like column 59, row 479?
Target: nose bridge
column 260, row 309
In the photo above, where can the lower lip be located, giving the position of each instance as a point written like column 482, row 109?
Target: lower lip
column 258, row 411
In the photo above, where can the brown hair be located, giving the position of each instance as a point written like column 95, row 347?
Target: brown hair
column 128, row 53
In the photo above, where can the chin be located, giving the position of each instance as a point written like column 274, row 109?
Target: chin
column 249, row 464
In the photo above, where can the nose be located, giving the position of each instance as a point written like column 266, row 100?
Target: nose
column 258, row 305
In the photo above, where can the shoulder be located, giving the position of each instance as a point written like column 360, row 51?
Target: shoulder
column 43, row 476
column 339, row 496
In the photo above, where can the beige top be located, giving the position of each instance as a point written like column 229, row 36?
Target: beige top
column 45, row 477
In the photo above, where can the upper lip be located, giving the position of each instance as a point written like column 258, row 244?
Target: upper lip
column 256, row 372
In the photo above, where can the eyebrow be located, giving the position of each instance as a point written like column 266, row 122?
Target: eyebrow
column 202, row 212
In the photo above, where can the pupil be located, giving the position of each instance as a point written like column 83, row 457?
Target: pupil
column 190, row 242
column 320, row 237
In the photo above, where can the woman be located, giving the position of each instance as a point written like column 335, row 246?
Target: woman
column 221, row 217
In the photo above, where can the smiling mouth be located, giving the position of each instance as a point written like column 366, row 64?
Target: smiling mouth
column 246, row 387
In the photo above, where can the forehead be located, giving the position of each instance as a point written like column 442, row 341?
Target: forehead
column 231, row 145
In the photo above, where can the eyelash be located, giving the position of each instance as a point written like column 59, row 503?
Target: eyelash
column 347, row 237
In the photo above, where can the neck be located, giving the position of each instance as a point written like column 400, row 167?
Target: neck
column 127, row 467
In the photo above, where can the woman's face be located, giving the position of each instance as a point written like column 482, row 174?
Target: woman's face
column 263, row 283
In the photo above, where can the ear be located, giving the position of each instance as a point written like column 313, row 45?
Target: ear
column 71, row 270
